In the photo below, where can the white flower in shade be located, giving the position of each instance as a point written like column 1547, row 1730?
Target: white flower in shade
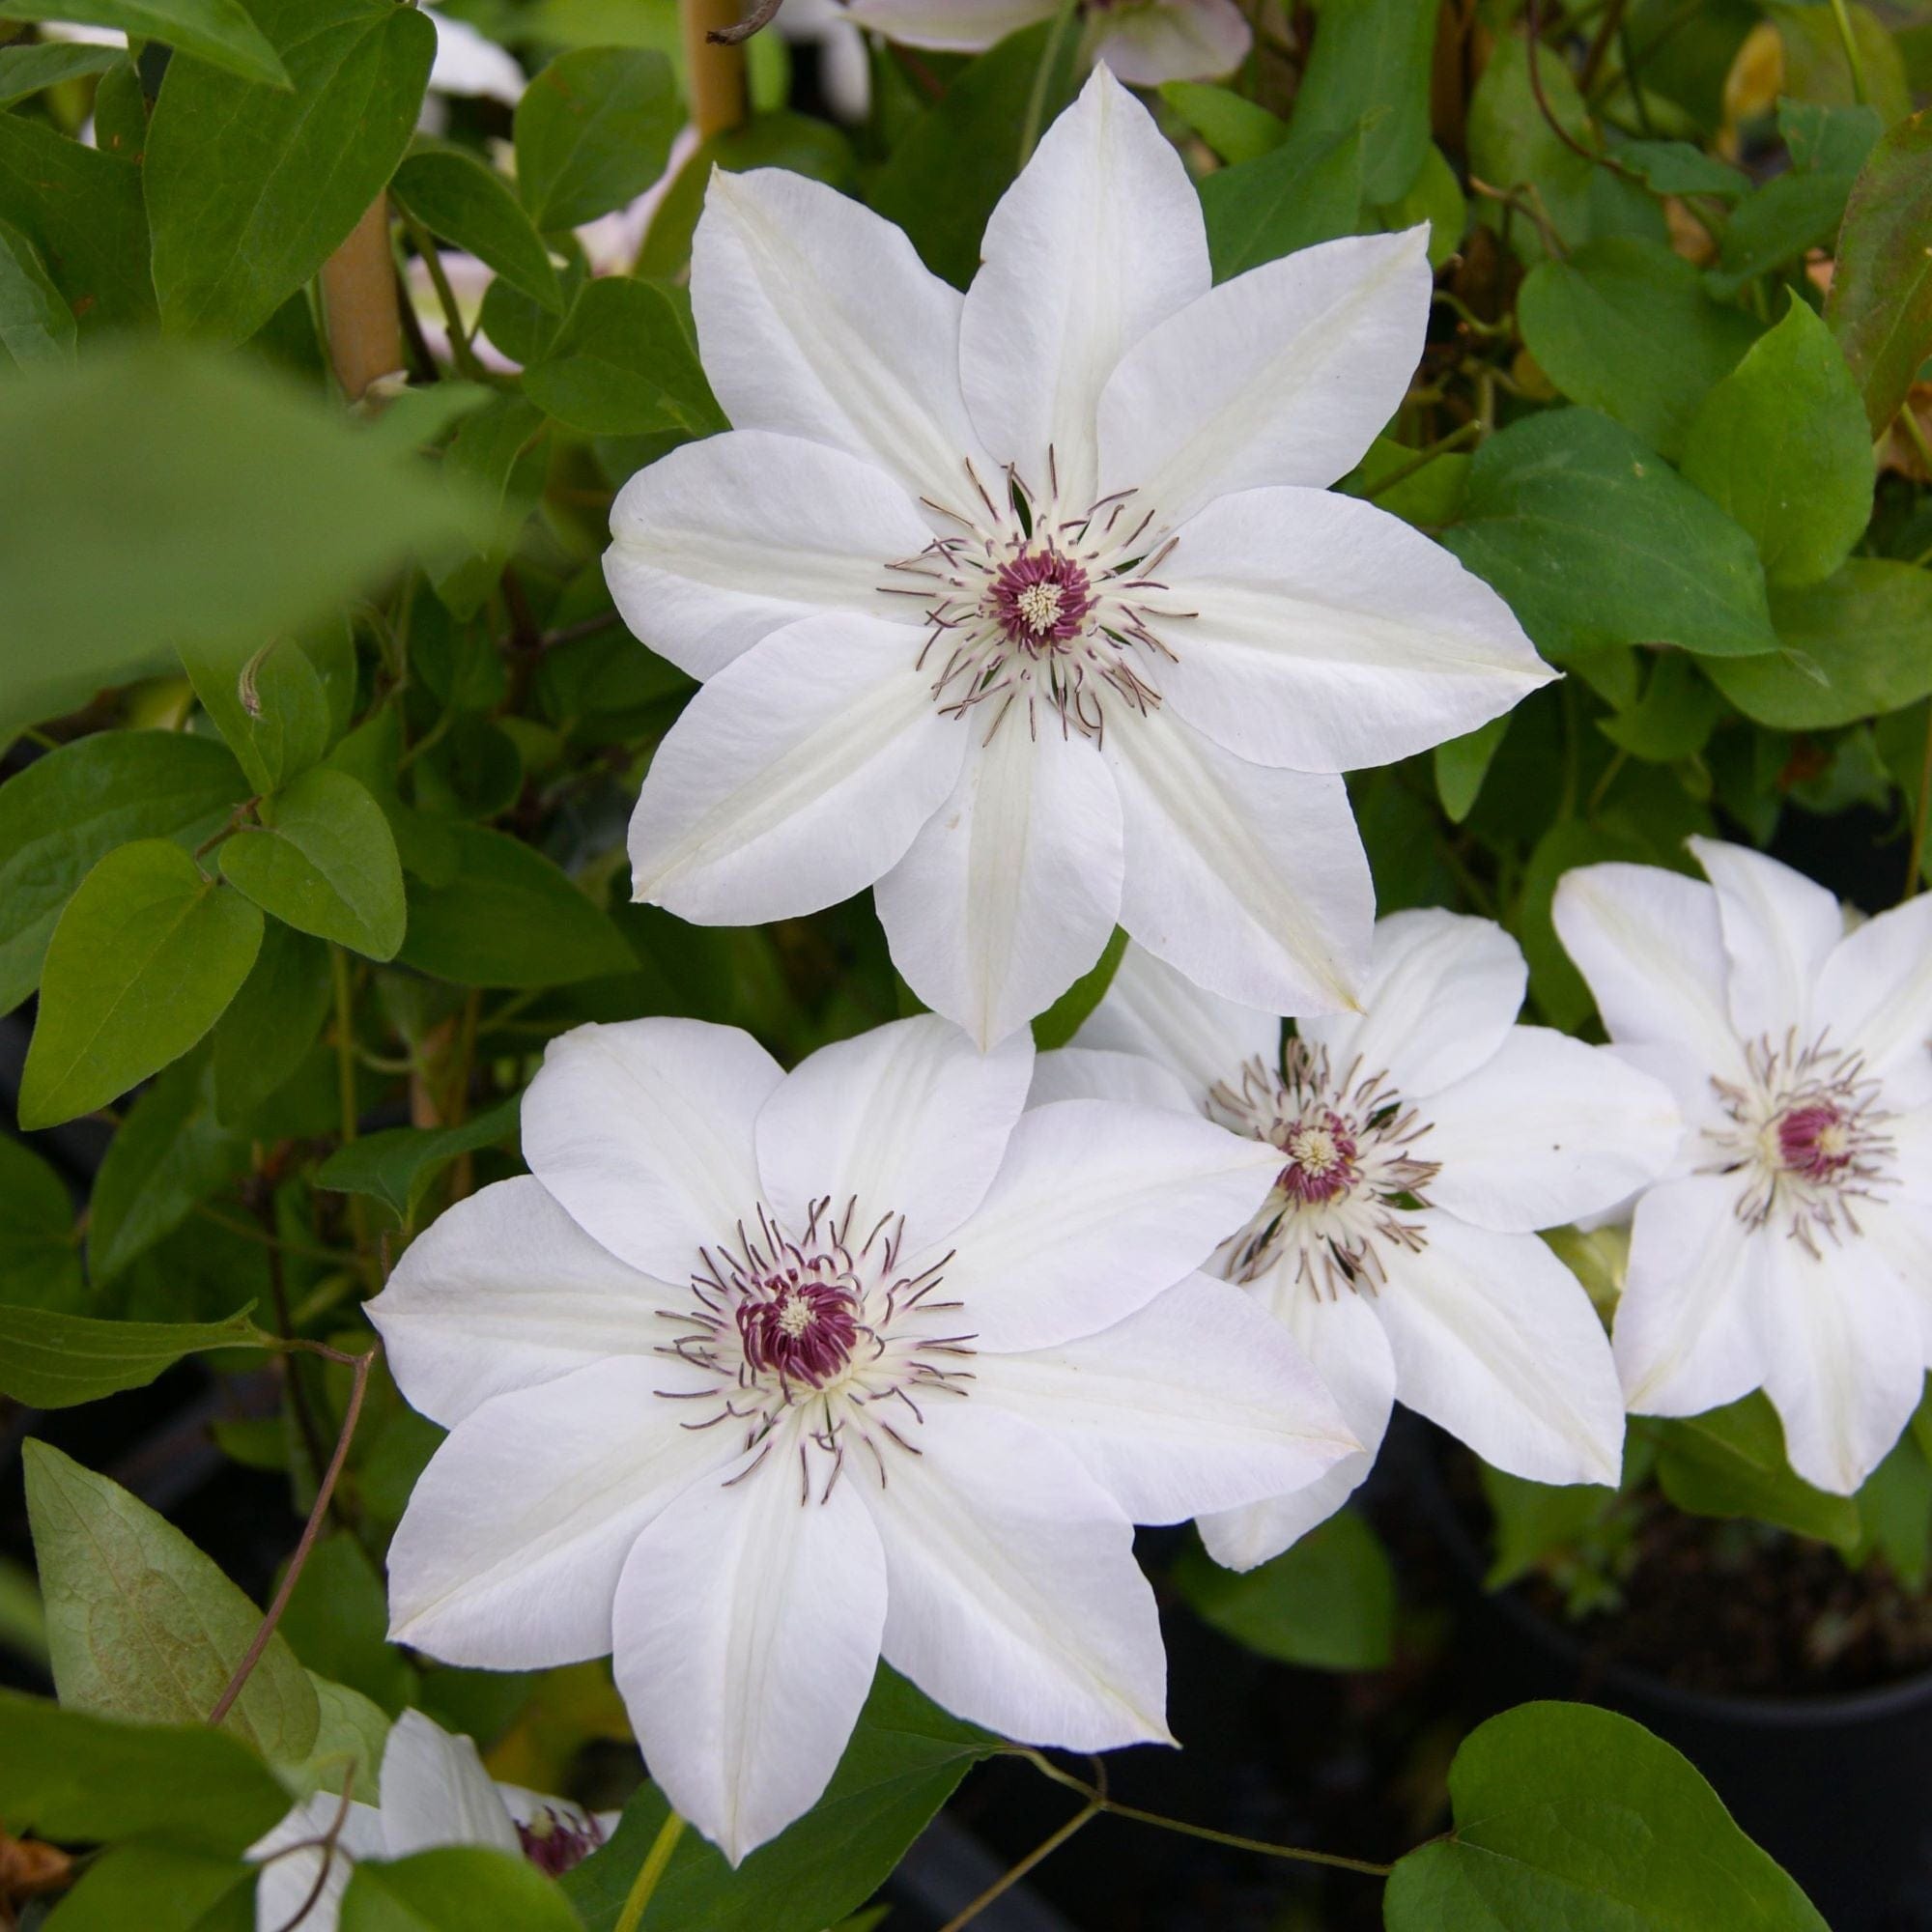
column 760, row 1376
column 1790, row 1246
column 1143, row 41
column 434, row 1792
column 1031, row 604
column 844, row 66
column 470, row 63
column 1419, row 1146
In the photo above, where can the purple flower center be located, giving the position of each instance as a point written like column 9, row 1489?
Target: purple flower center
column 1040, row 599
column 1816, row 1141
column 799, row 1330
column 1321, row 1156
column 556, row 1844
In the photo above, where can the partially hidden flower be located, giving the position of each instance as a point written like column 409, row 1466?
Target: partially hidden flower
column 760, row 1376
column 1143, row 41
column 434, row 1792
column 1029, row 605
column 1419, row 1145
column 469, row 63
column 1790, row 1245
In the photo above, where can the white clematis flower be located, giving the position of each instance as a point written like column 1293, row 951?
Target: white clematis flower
column 1031, row 604
column 760, row 1376
column 1143, row 41
column 470, row 63
column 1420, row 1145
column 434, row 1792
column 1790, row 1246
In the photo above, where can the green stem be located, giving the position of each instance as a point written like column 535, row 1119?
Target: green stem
column 452, row 314
column 1035, row 112
column 1012, row 1875
column 656, row 1860
column 1854, row 60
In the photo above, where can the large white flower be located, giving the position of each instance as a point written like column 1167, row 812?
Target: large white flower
column 1790, row 1247
column 434, row 1792
column 1419, row 1146
column 1031, row 604
column 762, row 1376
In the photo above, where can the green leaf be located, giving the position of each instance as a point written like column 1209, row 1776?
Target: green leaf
column 36, row 323
column 338, row 1621
column 270, row 1024
column 1371, row 69
column 1594, row 540
column 455, row 195
column 1815, row 65
column 144, row 958
column 1062, row 1020
column 1569, row 1816
column 1880, row 307
column 69, row 810
column 325, row 862
column 499, row 457
column 143, row 1624
column 1676, row 717
column 397, row 1165
column 1625, row 326
column 89, row 1780
column 350, row 1740
column 625, row 363
column 1676, row 167
column 82, row 210
column 1829, row 140
column 1895, row 1512
column 1397, row 479
column 510, row 918
column 39, row 1258
column 905, row 1757
column 250, row 189
column 270, row 707
column 1328, row 1602
column 1436, row 197
column 455, row 1888
column 217, row 31
column 27, row 71
column 49, row 1360
column 594, row 130
column 1537, row 1520
column 1781, row 447
column 1461, row 764
column 160, row 1888
column 1237, row 128
column 121, row 114
column 1731, row 1463
column 1868, row 632
column 1309, row 189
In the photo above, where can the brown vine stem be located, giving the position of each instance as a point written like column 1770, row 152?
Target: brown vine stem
column 358, row 294
column 1533, row 50
column 311, row 1529
column 735, row 36
column 714, row 65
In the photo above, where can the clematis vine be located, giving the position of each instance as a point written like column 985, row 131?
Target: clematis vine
column 1031, row 604
column 435, row 1792
column 1418, row 1145
column 1789, row 1247
column 760, row 1376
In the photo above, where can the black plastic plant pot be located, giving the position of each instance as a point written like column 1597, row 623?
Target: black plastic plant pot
column 1837, row 1787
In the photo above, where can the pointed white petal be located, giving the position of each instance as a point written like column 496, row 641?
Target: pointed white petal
column 644, row 1132
column 1875, row 995
column 1173, row 39
column 815, row 318
column 1249, row 880
column 950, row 26
column 1098, row 239
column 747, row 1631
column 1094, row 1073
column 1899, row 1229
column 436, row 1792
column 1496, row 1341
column 1098, row 1208
column 1012, row 1594
column 1441, row 993
column 1327, row 634
column 509, row 1553
column 1780, row 928
column 796, row 777
column 1011, row 887
column 1283, row 375
column 287, row 1887
column 907, row 1120
column 1546, row 1130
column 1153, row 1011
column 723, row 542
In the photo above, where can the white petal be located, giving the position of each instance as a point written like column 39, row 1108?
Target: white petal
column 1496, row 1341
column 1012, row 887
column 644, row 1132
column 950, row 26
column 1283, row 375
column 436, row 1792
column 509, row 1553
column 1098, row 239
column 287, row 1884
column 796, row 777
column 1012, row 1594
column 1098, row 1208
column 1093, row 1073
column 1780, row 928
column 1648, row 943
column 1327, row 634
column 907, row 1119
column 1173, row 39
column 748, row 1632
column 725, row 541
column 470, row 63
column 1686, row 1323
column 1199, row 1402
column 1546, row 1130
column 1149, row 1008
column 815, row 318
column 1343, row 1341
column 1441, row 993
column 1875, row 995
column 1249, row 880
column 1840, row 1362
column 502, row 1290
column 1900, row 1229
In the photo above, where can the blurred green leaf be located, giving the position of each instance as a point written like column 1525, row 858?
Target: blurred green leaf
column 594, row 130
column 270, row 1024
column 1533, row 1521
column 53, row 1360
column 1731, row 1463
column 498, row 458
column 338, row 1622
column 1895, row 1512
column 350, row 1739
column 1676, row 715
column 457, row 196
column 1235, row 127
column 1676, row 167
column 82, row 210
column 454, row 1888
column 1815, row 63
column 160, row 1888
column 27, row 71
column 1435, row 197
column 1461, row 764
column 1371, row 69
column 1309, row 189
column 625, row 363
column 216, row 31
column 397, row 1165
column 1776, row 223
column 36, row 323
column 39, row 1258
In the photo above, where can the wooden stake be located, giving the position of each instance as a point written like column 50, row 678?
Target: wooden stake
column 358, row 293
column 717, row 73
